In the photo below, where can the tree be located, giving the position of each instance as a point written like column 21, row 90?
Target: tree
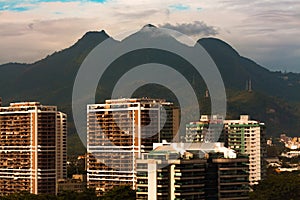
column 24, row 195
column 277, row 187
column 87, row 194
column 119, row 193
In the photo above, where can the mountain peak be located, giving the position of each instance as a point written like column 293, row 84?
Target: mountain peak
column 217, row 44
column 51, row 80
column 101, row 33
column 149, row 26
column 92, row 37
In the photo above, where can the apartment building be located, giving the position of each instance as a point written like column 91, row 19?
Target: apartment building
column 192, row 171
column 247, row 136
column 119, row 131
column 243, row 135
column 205, row 130
column 227, row 178
column 32, row 148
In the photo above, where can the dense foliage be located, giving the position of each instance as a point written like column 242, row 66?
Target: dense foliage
column 277, row 187
column 117, row 193
column 274, row 99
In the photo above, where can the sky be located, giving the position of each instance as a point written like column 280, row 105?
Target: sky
column 266, row 31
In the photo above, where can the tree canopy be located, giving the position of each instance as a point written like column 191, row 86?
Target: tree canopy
column 117, row 193
column 277, row 187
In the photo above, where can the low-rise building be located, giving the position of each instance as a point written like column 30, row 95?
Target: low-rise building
column 78, row 183
column 291, row 154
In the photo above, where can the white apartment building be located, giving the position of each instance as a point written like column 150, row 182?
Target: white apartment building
column 247, row 137
column 118, row 132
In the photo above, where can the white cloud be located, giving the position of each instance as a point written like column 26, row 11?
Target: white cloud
column 195, row 28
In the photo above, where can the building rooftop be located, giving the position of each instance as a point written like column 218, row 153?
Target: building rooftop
column 202, row 148
column 135, row 100
column 26, row 106
column 22, row 104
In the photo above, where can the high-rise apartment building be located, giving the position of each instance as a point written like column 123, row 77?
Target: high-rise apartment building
column 205, row 130
column 247, row 137
column 32, row 148
column 192, row 171
column 119, row 131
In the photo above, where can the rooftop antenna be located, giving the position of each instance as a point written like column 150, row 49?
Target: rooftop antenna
column 249, row 85
column 206, row 93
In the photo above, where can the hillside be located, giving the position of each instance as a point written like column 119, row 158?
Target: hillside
column 236, row 69
column 274, row 100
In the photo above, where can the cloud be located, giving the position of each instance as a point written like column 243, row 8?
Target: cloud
column 29, row 42
column 12, row 29
column 137, row 14
column 193, row 29
column 31, row 29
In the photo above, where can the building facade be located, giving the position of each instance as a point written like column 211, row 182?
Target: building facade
column 227, row 178
column 205, row 130
column 247, row 137
column 192, row 171
column 118, row 132
column 76, row 184
column 33, row 148
column 243, row 135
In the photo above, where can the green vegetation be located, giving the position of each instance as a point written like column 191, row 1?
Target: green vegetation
column 274, row 100
column 75, row 166
column 117, row 193
column 88, row 194
column 277, row 187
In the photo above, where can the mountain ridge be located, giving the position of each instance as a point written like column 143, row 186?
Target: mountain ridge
column 50, row 81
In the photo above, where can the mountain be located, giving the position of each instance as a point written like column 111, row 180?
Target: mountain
column 236, row 69
column 274, row 98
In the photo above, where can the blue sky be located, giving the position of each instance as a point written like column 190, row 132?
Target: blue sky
column 21, row 5
column 179, row 7
column 263, row 30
